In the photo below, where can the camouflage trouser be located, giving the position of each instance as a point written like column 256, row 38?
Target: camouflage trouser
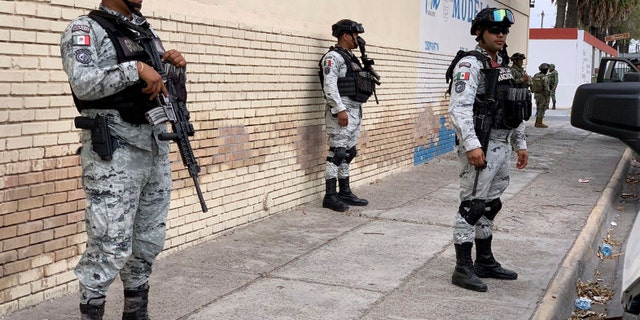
column 553, row 97
column 542, row 104
column 127, row 205
column 342, row 137
column 492, row 182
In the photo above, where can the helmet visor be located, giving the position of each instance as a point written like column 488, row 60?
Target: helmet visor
column 357, row 27
column 500, row 15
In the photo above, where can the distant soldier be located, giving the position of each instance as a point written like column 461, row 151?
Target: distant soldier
column 519, row 74
column 553, row 82
column 541, row 89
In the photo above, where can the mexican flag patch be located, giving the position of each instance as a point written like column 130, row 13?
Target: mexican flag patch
column 83, row 40
column 462, row 75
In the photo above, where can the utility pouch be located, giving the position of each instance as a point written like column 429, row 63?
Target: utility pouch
column 101, row 140
column 517, row 107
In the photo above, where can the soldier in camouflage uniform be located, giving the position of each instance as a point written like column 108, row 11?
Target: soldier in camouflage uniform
column 519, row 74
column 128, row 187
column 553, row 83
column 542, row 98
column 483, row 177
column 346, row 87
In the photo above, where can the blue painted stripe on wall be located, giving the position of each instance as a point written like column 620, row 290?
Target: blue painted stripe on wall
column 446, row 143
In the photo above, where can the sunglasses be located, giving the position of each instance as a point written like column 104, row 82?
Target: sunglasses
column 498, row 30
column 500, row 15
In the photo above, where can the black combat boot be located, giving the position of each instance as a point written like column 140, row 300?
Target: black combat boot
column 135, row 303
column 347, row 196
column 93, row 310
column 331, row 199
column 486, row 265
column 464, row 276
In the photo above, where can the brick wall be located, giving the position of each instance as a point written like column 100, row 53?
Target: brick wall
column 255, row 102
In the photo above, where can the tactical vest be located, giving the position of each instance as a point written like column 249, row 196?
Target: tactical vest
column 131, row 103
column 513, row 105
column 513, row 102
column 357, row 83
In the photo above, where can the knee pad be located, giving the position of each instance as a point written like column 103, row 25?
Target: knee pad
column 339, row 154
column 472, row 210
column 351, row 153
column 492, row 208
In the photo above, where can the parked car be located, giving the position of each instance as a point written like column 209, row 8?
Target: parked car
column 611, row 107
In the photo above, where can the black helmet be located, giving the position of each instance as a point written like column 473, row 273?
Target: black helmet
column 491, row 16
column 346, row 26
column 544, row 66
column 518, row 56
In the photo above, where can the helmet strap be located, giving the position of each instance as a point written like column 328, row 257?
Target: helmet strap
column 133, row 7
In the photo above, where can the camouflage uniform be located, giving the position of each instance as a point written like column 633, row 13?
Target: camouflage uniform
column 127, row 197
column 542, row 99
column 494, row 179
column 334, row 67
column 519, row 74
column 553, row 84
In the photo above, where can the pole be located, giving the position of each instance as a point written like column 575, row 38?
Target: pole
column 542, row 19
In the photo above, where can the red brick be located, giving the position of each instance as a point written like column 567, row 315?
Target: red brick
column 54, row 245
column 8, row 206
column 69, row 161
column 29, row 227
column 14, row 243
column 59, row 197
column 30, row 203
column 42, row 189
column 30, row 251
column 40, row 213
column 65, row 231
column 17, row 266
column 41, row 236
column 8, row 232
column 8, row 281
column 31, row 178
column 57, row 174
column 55, row 222
column 17, row 193
column 8, row 256
column 66, row 207
column 77, row 216
column 66, row 185
column 76, row 194
column 16, row 218
column 75, row 172
column 66, row 253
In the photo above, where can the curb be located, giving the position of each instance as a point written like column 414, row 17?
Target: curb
column 561, row 293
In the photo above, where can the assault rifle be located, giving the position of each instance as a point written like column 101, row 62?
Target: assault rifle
column 173, row 109
column 368, row 66
column 484, row 117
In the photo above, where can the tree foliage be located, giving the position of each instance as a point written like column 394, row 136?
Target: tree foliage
column 600, row 17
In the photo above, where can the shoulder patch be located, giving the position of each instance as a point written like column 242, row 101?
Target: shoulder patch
column 464, row 65
column 80, row 27
column 83, row 56
column 462, row 76
column 81, row 40
column 460, row 86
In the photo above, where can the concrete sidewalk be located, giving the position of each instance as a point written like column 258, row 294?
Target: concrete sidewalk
column 393, row 259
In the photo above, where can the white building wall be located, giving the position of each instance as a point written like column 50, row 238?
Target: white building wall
column 575, row 60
